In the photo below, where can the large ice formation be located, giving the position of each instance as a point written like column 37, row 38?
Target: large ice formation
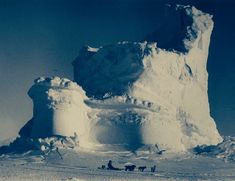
column 143, row 94
column 59, row 109
column 135, row 93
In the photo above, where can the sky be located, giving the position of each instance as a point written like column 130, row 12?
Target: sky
column 42, row 38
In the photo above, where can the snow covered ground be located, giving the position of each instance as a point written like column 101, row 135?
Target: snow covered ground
column 83, row 165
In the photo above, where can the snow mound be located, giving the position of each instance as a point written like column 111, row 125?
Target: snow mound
column 224, row 150
column 141, row 94
column 59, row 109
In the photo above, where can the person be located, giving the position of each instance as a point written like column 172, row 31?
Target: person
column 153, row 169
column 111, row 167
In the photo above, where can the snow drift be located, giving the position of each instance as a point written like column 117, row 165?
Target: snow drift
column 144, row 94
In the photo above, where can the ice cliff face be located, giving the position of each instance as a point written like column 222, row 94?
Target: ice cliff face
column 148, row 95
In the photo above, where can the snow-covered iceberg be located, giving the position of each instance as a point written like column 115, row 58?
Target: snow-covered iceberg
column 134, row 94
column 143, row 94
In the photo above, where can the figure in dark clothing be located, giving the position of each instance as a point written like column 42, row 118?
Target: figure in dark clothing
column 153, row 169
column 111, row 167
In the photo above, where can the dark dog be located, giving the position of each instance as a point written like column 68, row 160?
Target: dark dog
column 130, row 167
column 102, row 167
column 153, row 169
column 141, row 169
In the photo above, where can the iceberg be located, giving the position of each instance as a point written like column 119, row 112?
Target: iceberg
column 133, row 94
